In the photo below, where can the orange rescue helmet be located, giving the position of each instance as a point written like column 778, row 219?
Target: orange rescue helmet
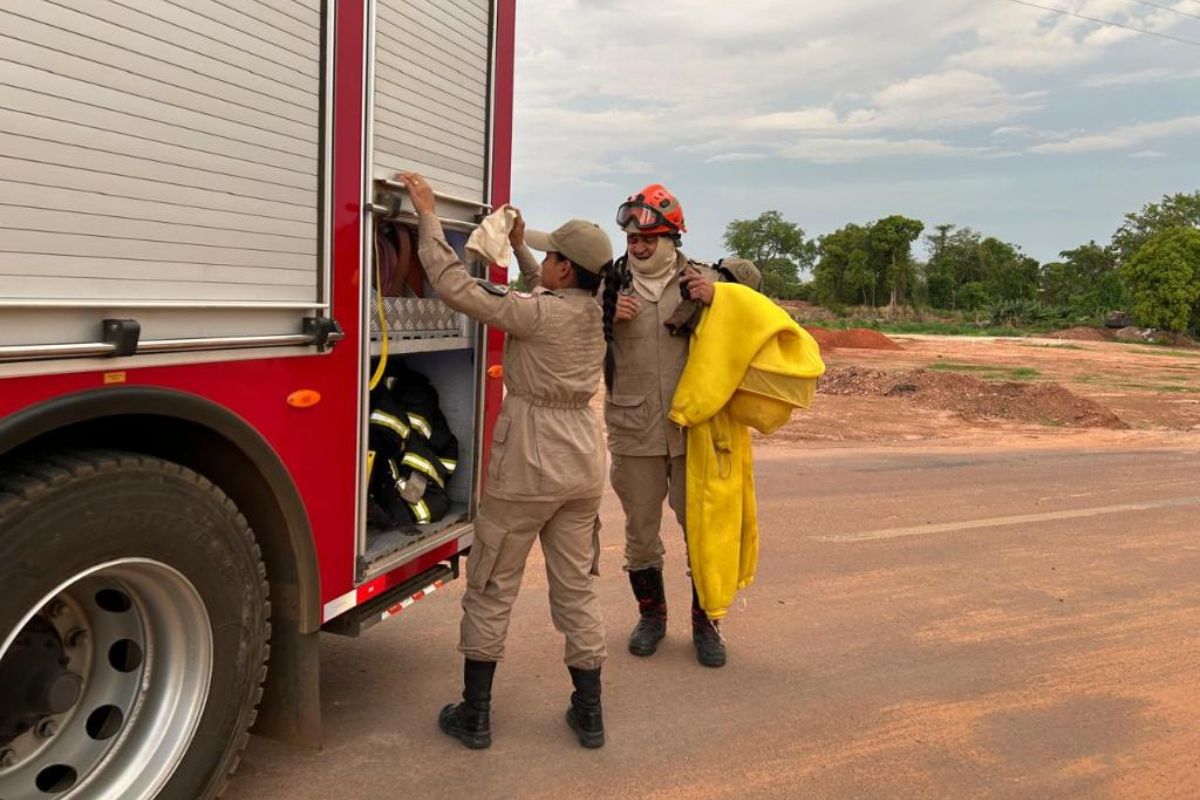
column 652, row 210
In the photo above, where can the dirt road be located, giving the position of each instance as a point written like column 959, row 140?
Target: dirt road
column 940, row 621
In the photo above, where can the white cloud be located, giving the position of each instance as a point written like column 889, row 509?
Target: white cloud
column 957, row 98
column 1138, row 77
column 1023, row 38
column 1014, row 132
column 736, row 157
column 954, row 99
column 1123, row 137
column 841, row 151
column 1128, row 78
column 804, row 119
column 1148, row 154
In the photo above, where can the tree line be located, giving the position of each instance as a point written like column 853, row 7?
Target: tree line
column 1150, row 268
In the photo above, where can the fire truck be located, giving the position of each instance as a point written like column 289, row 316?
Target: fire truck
column 189, row 320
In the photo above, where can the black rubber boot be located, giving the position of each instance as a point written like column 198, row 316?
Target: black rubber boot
column 706, row 636
column 584, row 715
column 652, row 605
column 470, row 721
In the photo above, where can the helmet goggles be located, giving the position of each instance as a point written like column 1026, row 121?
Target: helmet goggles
column 643, row 217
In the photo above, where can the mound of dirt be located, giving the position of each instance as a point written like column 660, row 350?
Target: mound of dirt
column 855, row 338
column 974, row 399
column 824, row 336
column 1082, row 333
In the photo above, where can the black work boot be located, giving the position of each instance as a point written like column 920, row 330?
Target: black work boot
column 706, row 635
column 584, row 715
column 470, row 721
column 652, row 605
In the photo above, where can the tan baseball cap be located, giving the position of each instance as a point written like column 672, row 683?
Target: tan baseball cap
column 743, row 271
column 583, row 242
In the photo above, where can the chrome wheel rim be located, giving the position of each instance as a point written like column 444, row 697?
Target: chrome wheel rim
column 133, row 639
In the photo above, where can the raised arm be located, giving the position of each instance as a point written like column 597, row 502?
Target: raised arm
column 495, row 306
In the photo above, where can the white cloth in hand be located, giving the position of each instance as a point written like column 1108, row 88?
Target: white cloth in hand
column 489, row 242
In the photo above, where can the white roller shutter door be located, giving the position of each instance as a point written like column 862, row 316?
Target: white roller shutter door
column 160, row 151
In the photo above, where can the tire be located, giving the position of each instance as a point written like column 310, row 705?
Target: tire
column 111, row 544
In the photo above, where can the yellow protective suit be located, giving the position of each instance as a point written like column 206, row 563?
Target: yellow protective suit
column 750, row 365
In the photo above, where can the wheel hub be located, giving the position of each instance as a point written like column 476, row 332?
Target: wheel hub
column 110, row 675
column 36, row 680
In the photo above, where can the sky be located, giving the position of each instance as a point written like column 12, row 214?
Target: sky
column 1029, row 125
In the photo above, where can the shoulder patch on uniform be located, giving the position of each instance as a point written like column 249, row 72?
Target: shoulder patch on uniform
column 493, row 288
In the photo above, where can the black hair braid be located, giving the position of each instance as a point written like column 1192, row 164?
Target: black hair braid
column 614, row 281
column 587, row 280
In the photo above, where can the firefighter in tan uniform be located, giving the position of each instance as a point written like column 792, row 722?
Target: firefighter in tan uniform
column 642, row 369
column 546, row 473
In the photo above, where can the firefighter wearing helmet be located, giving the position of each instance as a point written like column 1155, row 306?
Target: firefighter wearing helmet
column 642, row 367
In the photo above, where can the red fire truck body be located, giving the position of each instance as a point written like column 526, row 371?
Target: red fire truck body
column 167, row 365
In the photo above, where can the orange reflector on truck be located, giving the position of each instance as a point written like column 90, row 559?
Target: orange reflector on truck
column 304, row 398
column 496, row 371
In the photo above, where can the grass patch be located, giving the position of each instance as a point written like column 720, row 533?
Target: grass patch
column 988, row 372
column 1157, row 387
column 933, row 327
column 950, row 366
column 1164, row 350
column 1056, row 346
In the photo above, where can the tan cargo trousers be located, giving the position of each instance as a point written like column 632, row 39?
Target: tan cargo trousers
column 641, row 484
column 504, row 534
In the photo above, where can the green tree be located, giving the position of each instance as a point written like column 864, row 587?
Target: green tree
column 972, row 296
column 1173, row 211
column 955, row 261
column 1163, row 277
column 940, row 279
column 860, row 277
column 1085, row 281
column 891, row 250
column 1057, row 283
column 843, row 274
column 1008, row 273
column 777, row 246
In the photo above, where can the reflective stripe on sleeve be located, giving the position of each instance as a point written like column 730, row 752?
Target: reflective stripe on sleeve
column 388, row 421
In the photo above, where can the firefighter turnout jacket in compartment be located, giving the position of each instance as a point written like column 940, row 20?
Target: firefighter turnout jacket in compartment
column 414, row 454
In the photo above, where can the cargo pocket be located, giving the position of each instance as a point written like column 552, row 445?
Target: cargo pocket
column 481, row 562
column 496, row 458
column 626, row 411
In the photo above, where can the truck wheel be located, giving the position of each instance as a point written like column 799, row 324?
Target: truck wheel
column 133, row 630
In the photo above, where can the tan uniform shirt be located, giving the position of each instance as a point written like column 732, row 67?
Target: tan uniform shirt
column 547, row 443
column 648, row 363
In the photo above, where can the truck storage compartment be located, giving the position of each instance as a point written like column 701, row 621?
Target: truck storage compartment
column 162, row 162
column 452, row 373
column 429, row 85
column 416, row 321
column 431, row 79
column 440, row 344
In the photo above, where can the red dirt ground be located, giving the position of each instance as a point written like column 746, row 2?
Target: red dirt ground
column 853, row 339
